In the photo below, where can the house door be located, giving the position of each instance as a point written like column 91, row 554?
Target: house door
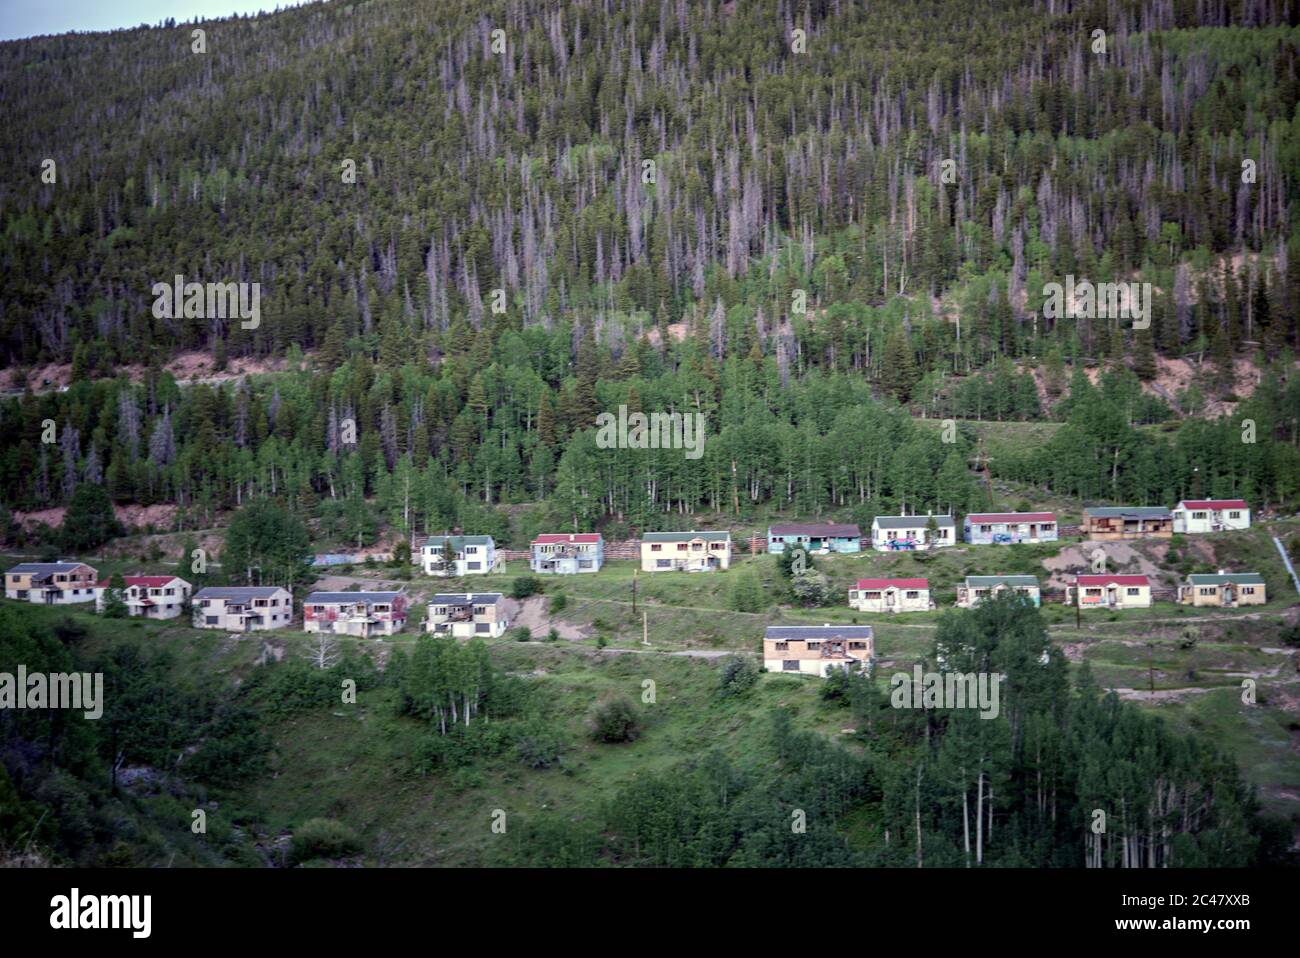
column 889, row 600
column 1228, row 596
column 1112, row 596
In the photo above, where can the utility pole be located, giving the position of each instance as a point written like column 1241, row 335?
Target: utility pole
column 634, row 571
column 645, row 628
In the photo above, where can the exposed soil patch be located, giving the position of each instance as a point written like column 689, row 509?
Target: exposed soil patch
column 190, row 366
column 1120, row 557
column 532, row 614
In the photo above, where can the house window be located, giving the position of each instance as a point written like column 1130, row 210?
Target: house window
column 1047, row 526
column 1092, row 591
column 663, row 563
column 814, row 646
column 473, row 565
column 482, row 627
column 1247, row 590
column 470, row 550
column 857, row 645
column 913, row 594
column 681, row 547
column 782, row 646
column 1198, row 515
column 656, row 548
column 790, row 665
column 211, row 619
column 1208, row 590
column 480, row 610
column 697, row 546
column 986, row 528
column 1133, row 591
column 873, row 595
column 584, row 564
column 1234, row 514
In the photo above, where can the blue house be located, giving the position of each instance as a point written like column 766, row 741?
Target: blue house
column 821, row 538
column 983, row 528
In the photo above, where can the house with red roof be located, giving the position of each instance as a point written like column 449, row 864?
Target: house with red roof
column 148, row 596
column 891, row 595
column 983, row 528
column 1211, row 515
column 1109, row 592
column 567, row 553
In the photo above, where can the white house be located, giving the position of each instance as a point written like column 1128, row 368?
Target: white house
column 149, row 596
column 471, row 555
column 1211, row 515
column 891, row 595
column 467, row 615
column 912, row 533
column 242, row 608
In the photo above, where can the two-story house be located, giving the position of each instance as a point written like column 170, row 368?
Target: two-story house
column 822, row 538
column 912, row 533
column 1109, row 592
column 458, row 555
column 977, row 588
column 891, row 595
column 149, row 596
column 467, row 615
column 685, row 551
column 51, row 583
column 1211, row 515
column 1224, row 590
column 567, row 553
column 1127, row 522
column 363, row 614
column 983, row 528
column 817, row 649
column 242, row 608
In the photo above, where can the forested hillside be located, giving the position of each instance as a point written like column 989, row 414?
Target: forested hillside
column 685, row 209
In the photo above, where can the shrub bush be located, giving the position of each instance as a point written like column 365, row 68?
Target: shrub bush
column 738, row 675
column 614, row 720
column 323, row 838
column 525, row 586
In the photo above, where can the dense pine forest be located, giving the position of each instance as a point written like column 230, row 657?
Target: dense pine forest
column 476, row 241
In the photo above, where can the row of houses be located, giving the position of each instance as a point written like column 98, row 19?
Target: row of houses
column 706, row 551
column 920, row 533
column 820, row 649
column 1222, row 590
column 257, row 608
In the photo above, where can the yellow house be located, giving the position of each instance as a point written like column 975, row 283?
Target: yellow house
column 685, row 551
column 1110, row 592
column 51, row 583
column 1224, row 590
